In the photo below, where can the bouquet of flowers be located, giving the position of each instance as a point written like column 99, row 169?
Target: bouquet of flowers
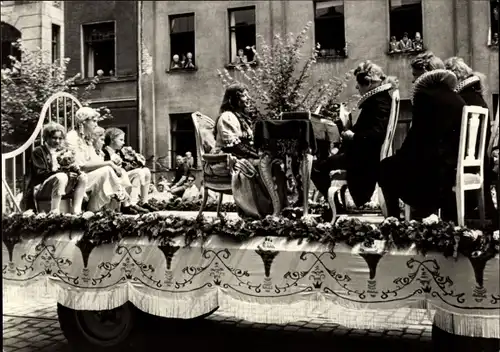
column 115, row 158
column 67, row 163
column 131, row 159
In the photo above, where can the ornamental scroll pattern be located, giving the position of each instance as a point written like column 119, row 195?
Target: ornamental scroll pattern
column 262, row 268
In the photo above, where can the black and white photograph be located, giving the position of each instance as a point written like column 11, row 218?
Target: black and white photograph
column 266, row 175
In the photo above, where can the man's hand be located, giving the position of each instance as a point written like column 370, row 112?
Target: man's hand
column 72, row 174
column 348, row 135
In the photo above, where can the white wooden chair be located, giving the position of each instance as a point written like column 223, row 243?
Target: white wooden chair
column 474, row 124
column 472, row 128
column 61, row 108
column 205, row 141
column 339, row 176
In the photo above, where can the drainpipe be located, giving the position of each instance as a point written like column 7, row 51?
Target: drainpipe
column 470, row 30
column 139, row 76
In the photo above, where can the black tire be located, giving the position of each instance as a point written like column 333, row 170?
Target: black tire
column 110, row 330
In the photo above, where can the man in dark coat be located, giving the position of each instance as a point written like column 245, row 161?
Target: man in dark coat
column 360, row 151
column 423, row 171
column 46, row 177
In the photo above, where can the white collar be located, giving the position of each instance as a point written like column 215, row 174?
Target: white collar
column 379, row 89
column 433, row 77
column 110, row 150
column 467, row 83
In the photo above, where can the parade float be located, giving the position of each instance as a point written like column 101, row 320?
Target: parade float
column 278, row 269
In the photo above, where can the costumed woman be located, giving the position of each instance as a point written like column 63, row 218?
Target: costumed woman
column 103, row 177
column 234, row 135
column 471, row 87
column 360, row 151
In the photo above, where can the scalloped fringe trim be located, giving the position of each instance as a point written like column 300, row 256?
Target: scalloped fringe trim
column 262, row 310
column 473, row 326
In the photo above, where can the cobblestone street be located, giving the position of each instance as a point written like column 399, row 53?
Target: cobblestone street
column 33, row 326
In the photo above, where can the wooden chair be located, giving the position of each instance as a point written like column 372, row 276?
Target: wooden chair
column 338, row 177
column 471, row 128
column 220, row 181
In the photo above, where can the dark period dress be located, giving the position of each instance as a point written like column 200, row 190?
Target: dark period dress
column 360, row 157
column 422, row 172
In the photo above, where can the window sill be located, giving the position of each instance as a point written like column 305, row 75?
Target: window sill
column 235, row 66
column 181, row 70
column 331, row 58
column 405, row 53
column 107, row 79
column 493, row 46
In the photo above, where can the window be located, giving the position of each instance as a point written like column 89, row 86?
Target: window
column 99, row 49
column 329, row 28
column 9, row 35
column 182, row 42
column 495, row 106
column 182, row 135
column 494, row 8
column 405, row 26
column 242, row 35
column 56, row 42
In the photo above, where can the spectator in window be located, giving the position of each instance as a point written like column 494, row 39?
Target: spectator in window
column 133, row 163
column 359, row 154
column 47, row 178
column 422, row 172
column 405, row 44
column 418, row 43
column 189, row 160
column 472, row 88
column 104, row 182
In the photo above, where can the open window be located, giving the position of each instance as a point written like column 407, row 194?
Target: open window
column 182, row 42
column 406, row 26
column 329, row 28
column 242, row 35
column 56, row 42
column 183, row 136
column 99, row 54
column 10, row 35
column 494, row 22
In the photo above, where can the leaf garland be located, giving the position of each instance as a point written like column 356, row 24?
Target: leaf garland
column 110, row 227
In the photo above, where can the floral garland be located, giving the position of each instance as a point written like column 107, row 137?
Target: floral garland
column 177, row 204
column 108, row 227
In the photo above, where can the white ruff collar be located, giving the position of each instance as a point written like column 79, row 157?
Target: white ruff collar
column 379, row 89
column 467, row 83
column 432, row 77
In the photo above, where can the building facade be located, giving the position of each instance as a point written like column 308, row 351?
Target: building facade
column 101, row 40
column 40, row 24
column 184, row 43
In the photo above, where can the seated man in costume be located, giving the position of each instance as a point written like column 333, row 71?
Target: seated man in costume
column 181, row 172
column 46, row 177
column 422, row 172
column 360, row 151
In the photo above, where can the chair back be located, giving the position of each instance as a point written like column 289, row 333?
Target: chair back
column 386, row 149
column 472, row 133
column 204, row 133
column 296, row 115
column 495, row 132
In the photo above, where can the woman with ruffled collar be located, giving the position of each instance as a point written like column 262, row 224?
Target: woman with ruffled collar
column 472, row 88
column 360, row 151
column 422, row 172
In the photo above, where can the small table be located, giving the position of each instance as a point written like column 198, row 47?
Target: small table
column 276, row 139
